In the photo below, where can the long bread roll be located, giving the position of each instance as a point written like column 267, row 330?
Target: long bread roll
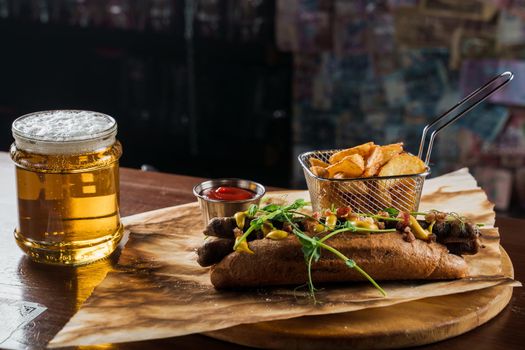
column 384, row 256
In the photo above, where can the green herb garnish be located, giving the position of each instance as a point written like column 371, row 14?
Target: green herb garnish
column 311, row 246
column 252, row 210
column 393, row 212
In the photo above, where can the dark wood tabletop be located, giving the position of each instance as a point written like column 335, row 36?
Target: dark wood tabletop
column 63, row 289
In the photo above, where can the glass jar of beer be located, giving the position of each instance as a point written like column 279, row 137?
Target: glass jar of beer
column 68, row 186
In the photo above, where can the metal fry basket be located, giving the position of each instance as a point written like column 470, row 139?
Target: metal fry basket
column 403, row 192
column 364, row 195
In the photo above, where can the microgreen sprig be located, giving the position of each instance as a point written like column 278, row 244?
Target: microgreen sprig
column 312, row 253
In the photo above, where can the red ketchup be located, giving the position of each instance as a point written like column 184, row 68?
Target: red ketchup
column 227, row 193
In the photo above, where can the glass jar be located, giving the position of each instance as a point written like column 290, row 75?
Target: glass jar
column 67, row 178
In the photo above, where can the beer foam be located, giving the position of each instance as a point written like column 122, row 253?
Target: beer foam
column 64, row 132
column 63, row 125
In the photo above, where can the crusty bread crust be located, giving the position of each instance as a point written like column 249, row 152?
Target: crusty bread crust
column 384, row 256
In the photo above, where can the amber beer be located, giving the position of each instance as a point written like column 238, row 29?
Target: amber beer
column 67, row 185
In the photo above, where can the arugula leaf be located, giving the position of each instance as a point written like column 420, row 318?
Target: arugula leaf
column 271, row 208
column 309, row 245
column 257, row 223
column 281, row 217
column 297, row 204
column 349, row 226
column 393, row 212
column 305, row 240
column 311, row 250
column 252, row 210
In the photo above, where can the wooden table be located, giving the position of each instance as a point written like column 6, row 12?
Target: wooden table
column 62, row 290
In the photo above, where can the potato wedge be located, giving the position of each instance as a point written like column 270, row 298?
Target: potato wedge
column 379, row 194
column 363, row 150
column 403, row 164
column 325, row 195
column 383, row 198
column 317, row 162
column 340, row 176
column 319, row 171
column 351, row 187
column 352, row 166
column 403, row 193
column 357, row 188
column 389, row 151
column 373, row 162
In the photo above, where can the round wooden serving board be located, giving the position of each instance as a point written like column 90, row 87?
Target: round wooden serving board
column 407, row 324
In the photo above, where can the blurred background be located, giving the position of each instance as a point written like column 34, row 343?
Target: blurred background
column 218, row 88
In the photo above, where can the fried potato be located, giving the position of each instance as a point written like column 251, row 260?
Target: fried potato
column 403, row 193
column 363, row 192
column 384, row 199
column 363, row 150
column 381, row 196
column 373, row 162
column 317, row 162
column 325, row 195
column 352, row 166
column 356, row 188
column 340, row 176
column 358, row 199
column 403, row 164
column 390, row 151
column 319, row 171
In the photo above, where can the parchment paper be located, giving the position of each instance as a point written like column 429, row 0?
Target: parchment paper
column 160, row 291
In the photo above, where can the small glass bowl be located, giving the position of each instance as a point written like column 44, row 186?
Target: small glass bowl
column 212, row 208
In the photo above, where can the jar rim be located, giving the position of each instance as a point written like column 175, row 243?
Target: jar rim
column 82, row 141
column 71, row 114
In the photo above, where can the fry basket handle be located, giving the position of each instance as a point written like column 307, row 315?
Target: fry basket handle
column 461, row 108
